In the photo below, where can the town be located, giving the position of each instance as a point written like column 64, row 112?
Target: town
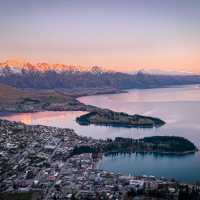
column 41, row 160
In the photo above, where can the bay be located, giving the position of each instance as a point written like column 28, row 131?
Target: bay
column 178, row 106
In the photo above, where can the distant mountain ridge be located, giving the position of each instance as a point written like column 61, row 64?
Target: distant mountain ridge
column 23, row 74
column 164, row 72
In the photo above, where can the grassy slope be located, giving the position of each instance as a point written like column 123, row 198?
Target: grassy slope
column 12, row 95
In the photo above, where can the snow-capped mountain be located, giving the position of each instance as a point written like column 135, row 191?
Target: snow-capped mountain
column 17, row 66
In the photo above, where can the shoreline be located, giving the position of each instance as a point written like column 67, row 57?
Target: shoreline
column 75, row 96
column 153, row 152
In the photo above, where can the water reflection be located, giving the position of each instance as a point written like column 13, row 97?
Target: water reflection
column 49, row 118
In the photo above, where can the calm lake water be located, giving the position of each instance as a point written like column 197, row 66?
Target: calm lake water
column 178, row 106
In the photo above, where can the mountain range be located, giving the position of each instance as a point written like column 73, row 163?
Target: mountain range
column 17, row 65
column 22, row 74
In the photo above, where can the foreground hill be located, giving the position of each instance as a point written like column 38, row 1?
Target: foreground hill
column 18, row 100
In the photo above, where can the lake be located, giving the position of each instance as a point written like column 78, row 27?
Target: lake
column 178, row 106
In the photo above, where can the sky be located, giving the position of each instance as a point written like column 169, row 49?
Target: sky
column 124, row 35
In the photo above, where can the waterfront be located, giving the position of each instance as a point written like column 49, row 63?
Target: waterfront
column 178, row 106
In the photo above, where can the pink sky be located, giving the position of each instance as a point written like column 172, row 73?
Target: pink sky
column 120, row 35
